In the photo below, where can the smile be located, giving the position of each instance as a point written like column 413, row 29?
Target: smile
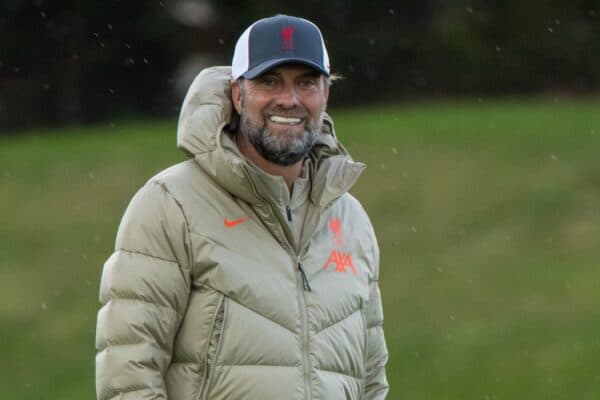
column 285, row 120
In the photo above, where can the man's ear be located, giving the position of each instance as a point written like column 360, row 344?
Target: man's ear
column 236, row 96
column 326, row 91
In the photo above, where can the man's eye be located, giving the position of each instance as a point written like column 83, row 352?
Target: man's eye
column 268, row 81
column 308, row 83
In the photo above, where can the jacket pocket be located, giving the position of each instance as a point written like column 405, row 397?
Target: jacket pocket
column 214, row 347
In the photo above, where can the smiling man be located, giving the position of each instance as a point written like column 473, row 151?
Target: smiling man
column 248, row 271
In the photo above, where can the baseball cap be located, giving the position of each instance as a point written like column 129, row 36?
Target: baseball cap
column 276, row 40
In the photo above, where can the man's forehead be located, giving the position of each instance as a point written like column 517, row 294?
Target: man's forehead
column 293, row 68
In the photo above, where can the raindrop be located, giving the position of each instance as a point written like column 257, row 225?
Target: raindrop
column 451, row 317
column 469, row 10
column 127, row 45
column 350, row 68
column 96, row 35
column 440, row 269
column 161, row 4
column 112, row 125
column 392, row 11
column 394, row 150
column 91, row 175
column 17, row 70
column 96, row 238
column 84, row 256
column 557, row 21
column 382, row 166
column 498, row 49
column 145, row 61
column 550, row 29
column 414, row 229
column 109, row 27
column 75, row 56
column 44, row 306
column 417, row 354
column 592, row 13
column 371, row 42
column 111, row 91
column 102, row 44
column 553, row 157
column 593, row 131
column 42, row 14
column 46, row 86
column 221, row 42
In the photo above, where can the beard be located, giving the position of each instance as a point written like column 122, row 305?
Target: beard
column 286, row 147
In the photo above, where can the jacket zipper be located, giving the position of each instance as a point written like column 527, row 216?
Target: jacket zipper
column 300, row 284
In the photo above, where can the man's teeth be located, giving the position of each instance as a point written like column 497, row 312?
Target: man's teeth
column 285, row 120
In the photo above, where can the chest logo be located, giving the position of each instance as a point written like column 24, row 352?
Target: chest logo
column 341, row 261
column 230, row 223
column 287, row 38
column 335, row 224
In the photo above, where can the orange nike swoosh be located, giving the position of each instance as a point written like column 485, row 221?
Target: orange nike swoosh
column 230, row 223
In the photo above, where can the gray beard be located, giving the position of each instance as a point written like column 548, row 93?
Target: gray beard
column 286, row 148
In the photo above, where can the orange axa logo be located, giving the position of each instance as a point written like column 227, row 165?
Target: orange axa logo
column 341, row 261
column 335, row 224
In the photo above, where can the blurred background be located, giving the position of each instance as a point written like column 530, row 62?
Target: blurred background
column 480, row 123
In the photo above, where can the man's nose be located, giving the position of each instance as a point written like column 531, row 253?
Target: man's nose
column 288, row 97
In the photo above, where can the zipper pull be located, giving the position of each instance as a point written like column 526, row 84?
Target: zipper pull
column 289, row 213
column 305, row 283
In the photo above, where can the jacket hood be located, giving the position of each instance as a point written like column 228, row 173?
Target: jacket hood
column 203, row 133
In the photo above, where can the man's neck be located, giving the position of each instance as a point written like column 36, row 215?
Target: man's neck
column 289, row 173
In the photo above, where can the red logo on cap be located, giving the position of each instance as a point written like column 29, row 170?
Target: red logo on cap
column 287, row 38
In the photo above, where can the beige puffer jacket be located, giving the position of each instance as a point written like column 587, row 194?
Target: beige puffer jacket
column 205, row 297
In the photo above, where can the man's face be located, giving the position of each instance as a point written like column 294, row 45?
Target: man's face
column 281, row 111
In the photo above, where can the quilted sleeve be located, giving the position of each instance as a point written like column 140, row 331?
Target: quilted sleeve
column 377, row 354
column 144, row 291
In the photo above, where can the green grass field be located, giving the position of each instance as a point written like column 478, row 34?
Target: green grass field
column 487, row 213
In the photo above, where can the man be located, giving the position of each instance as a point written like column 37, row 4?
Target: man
column 248, row 271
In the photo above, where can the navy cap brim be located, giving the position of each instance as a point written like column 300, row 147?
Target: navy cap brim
column 267, row 65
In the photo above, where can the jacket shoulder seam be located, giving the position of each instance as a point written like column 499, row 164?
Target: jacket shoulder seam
column 164, row 187
column 131, row 251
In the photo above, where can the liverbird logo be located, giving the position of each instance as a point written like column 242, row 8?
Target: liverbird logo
column 287, row 38
column 335, row 224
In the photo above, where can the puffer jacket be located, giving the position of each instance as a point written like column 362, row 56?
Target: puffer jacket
column 206, row 296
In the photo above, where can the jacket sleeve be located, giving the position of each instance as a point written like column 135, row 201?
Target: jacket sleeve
column 377, row 354
column 144, row 291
